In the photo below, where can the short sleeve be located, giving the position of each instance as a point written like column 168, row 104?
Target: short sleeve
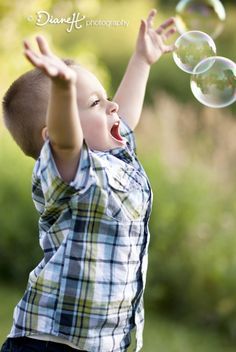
column 128, row 134
column 46, row 176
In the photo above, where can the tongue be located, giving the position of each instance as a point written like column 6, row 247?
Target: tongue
column 115, row 132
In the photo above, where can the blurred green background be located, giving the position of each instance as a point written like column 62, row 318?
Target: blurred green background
column 188, row 151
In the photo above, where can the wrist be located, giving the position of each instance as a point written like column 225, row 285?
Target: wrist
column 141, row 61
column 63, row 87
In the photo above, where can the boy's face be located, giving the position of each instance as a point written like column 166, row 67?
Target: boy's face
column 98, row 116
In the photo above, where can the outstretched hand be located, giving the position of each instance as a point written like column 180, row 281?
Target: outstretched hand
column 151, row 42
column 53, row 66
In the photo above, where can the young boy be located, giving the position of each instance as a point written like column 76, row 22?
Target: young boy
column 93, row 197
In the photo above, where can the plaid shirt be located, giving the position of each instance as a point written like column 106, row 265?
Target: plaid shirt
column 88, row 289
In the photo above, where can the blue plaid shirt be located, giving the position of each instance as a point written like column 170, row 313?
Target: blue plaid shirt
column 88, row 289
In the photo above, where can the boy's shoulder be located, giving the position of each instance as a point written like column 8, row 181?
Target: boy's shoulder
column 49, row 188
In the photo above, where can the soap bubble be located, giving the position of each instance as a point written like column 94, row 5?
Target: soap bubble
column 215, row 86
column 205, row 15
column 191, row 48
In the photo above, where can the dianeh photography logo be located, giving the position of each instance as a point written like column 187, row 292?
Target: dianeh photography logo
column 75, row 21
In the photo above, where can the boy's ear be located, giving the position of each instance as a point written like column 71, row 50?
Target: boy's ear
column 45, row 133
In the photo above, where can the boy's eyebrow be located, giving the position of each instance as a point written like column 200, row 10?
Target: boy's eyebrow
column 97, row 93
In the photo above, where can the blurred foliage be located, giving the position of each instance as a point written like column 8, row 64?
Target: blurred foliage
column 192, row 247
column 192, row 263
column 18, row 219
column 190, row 158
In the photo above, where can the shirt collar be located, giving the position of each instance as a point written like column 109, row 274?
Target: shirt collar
column 124, row 153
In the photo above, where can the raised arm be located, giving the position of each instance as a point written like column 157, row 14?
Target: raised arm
column 150, row 47
column 63, row 124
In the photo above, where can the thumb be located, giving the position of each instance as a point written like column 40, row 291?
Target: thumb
column 170, row 48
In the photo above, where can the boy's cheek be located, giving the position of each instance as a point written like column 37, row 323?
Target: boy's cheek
column 93, row 125
column 97, row 124
column 94, row 130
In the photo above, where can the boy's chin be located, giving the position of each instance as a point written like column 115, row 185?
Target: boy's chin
column 115, row 143
column 112, row 144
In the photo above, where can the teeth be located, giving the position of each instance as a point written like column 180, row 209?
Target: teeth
column 116, row 124
column 115, row 132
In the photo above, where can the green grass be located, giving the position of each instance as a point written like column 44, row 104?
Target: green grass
column 9, row 296
column 160, row 335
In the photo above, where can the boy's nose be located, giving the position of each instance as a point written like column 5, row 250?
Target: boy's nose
column 112, row 107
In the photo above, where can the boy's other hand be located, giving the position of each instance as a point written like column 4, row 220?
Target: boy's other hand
column 151, row 44
column 53, row 66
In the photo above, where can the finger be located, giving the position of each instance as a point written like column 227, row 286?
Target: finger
column 150, row 17
column 169, row 33
column 26, row 44
column 43, row 45
column 143, row 27
column 51, row 70
column 65, row 75
column 170, row 21
column 39, row 63
column 169, row 48
column 33, row 58
column 27, row 47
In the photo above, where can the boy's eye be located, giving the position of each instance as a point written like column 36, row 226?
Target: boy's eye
column 95, row 102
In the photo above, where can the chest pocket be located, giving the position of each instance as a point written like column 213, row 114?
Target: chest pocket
column 128, row 196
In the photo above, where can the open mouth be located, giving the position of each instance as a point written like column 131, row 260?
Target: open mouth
column 115, row 132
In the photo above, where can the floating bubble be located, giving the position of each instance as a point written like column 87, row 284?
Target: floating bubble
column 215, row 86
column 205, row 15
column 191, row 48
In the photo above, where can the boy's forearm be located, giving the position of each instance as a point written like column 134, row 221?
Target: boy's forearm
column 63, row 121
column 131, row 92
